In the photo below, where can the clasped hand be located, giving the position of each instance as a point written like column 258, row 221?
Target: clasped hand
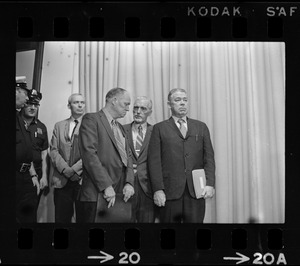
column 68, row 172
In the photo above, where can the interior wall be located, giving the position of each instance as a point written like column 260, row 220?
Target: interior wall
column 57, row 82
column 25, row 65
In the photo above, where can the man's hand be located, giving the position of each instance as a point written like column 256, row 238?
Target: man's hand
column 128, row 192
column 43, row 182
column 36, row 184
column 75, row 178
column 208, row 192
column 68, row 172
column 110, row 196
column 159, row 198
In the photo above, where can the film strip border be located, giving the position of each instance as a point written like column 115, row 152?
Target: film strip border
column 177, row 21
column 139, row 244
column 203, row 239
column 132, row 28
column 205, row 244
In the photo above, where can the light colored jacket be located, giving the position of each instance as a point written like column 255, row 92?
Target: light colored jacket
column 64, row 152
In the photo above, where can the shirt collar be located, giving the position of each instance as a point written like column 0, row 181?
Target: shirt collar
column 136, row 126
column 78, row 119
column 108, row 116
column 177, row 118
column 34, row 121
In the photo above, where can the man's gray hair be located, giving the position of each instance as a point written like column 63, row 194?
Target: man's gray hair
column 72, row 95
column 113, row 93
column 171, row 92
column 147, row 99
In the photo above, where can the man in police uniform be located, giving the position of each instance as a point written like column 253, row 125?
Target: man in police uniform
column 27, row 185
column 39, row 138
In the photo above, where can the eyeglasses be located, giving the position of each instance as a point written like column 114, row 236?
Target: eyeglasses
column 143, row 109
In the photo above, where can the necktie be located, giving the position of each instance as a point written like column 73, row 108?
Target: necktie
column 182, row 127
column 139, row 140
column 120, row 145
column 76, row 123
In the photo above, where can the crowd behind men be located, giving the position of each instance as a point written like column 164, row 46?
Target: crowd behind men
column 107, row 172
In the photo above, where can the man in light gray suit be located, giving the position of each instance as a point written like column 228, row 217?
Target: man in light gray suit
column 65, row 158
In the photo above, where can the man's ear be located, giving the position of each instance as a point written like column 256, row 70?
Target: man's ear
column 169, row 104
column 113, row 102
column 69, row 106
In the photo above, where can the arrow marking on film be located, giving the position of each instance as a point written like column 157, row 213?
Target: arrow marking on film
column 242, row 258
column 102, row 259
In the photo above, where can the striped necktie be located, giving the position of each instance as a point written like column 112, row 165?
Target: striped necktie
column 139, row 140
column 182, row 127
column 120, row 145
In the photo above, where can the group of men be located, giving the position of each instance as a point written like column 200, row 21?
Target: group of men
column 107, row 172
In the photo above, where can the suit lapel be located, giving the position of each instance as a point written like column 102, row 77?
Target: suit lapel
column 107, row 127
column 124, row 135
column 172, row 124
column 147, row 137
column 67, row 129
column 128, row 129
column 191, row 127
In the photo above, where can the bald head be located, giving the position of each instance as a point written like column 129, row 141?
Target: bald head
column 117, row 102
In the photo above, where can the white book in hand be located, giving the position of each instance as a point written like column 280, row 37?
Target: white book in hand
column 199, row 181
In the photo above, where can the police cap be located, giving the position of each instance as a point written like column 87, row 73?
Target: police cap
column 21, row 83
column 34, row 97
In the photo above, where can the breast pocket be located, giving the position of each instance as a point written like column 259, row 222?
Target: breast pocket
column 195, row 142
column 39, row 140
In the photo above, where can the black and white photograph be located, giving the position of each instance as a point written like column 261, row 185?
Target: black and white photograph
column 150, row 132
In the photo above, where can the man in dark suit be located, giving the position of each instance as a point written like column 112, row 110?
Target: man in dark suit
column 66, row 161
column 177, row 147
column 138, row 134
column 107, row 163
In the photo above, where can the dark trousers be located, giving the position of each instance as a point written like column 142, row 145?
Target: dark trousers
column 96, row 211
column 39, row 173
column 144, row 209
column 26, row 199
column 183, row 210
column 88, row 212
column 64, row 200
